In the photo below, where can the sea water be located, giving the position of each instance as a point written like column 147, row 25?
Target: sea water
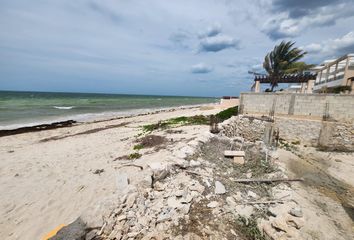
column 30, row 108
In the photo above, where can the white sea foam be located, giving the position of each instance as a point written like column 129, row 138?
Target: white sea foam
column 64, row 108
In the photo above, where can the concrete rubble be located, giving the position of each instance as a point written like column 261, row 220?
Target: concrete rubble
column 163, row 199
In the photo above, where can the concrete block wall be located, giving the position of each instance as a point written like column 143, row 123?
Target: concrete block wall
column 336, row 136
column 338, row 107
column 305, row 131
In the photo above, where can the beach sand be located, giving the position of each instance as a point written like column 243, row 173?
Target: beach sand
column 48, row 178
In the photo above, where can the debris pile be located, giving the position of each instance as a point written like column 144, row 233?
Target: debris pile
column 197, row 195
column 249, row 128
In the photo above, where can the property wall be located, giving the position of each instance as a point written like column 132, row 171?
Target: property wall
column 329, row 136
column 227, row 103
column 336, row 136
column 304, row 131
column 337, row 107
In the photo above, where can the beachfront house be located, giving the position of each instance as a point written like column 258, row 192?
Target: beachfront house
column 335, row 75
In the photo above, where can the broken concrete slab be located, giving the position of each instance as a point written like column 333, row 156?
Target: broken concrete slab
column 239, row 160
column 122, row 182
column 219, row 188
column 234, row 153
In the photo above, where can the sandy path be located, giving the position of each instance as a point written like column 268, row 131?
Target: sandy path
column 44, row 184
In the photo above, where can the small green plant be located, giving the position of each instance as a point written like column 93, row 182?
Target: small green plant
column 227, row 113
column 295, row 142
column 193, row 120
column 340, row 89
column 135, row 155
column 249, row 228
column 138, row 147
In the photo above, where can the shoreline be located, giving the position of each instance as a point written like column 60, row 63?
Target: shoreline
column 12, row 129
column 51, row 175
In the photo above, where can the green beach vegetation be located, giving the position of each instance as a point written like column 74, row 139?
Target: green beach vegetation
column 192, row 120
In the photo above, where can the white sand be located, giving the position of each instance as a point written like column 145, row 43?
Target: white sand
column 45, row 184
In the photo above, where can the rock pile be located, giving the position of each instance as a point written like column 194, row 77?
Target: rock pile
column 193, row 195
column 250, row 129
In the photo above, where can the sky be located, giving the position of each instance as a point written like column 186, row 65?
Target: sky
column 160, row 47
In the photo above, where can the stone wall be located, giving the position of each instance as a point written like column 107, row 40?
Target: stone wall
column 299, row 130
column 337, row 137
column 337, row 107
column 227, row 103
column 331, row 136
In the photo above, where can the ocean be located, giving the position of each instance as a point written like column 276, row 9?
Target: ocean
column 19, row 109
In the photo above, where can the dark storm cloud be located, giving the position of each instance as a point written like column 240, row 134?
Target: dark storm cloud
column 291, row 17
column 300, row 8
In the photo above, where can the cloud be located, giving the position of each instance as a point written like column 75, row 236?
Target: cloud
column 104, row 11
column 300, row 8
column 218, row 43
column 333, row 47
column 290, row 17
column 141, row 46
column 180, row 38
column 211, row 31
column 201, row 68
column 313, row 48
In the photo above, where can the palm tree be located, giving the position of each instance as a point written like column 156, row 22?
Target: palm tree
column 281, row 59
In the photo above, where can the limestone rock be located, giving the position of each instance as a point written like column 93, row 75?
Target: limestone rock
column 174, row 203
column 194, row 163
column 122, row 182
column 213, row 204
column 158, row 186
column 179, row 193
column 244, row 210
column 163, row 217
column 238, row 196
column 296, row 212
column 219, row 188
column 131, row 200
column 230, row 201
column 252, row 194
column 121, row 218
column 279, row 224
column 93, row 216
column 195, row 186
column 160, row 171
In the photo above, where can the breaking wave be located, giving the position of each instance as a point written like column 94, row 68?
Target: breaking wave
column 63, row 108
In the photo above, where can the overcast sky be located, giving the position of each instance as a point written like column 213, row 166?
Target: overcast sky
column 167, row 47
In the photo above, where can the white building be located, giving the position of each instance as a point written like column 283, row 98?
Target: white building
column 335, row 73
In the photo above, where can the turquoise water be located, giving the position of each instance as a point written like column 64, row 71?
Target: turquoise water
column 37, row 107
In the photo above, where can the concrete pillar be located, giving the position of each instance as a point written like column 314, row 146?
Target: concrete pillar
column 257, row 87
column 310, row 84
column 302, row 90
column 327, row 73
